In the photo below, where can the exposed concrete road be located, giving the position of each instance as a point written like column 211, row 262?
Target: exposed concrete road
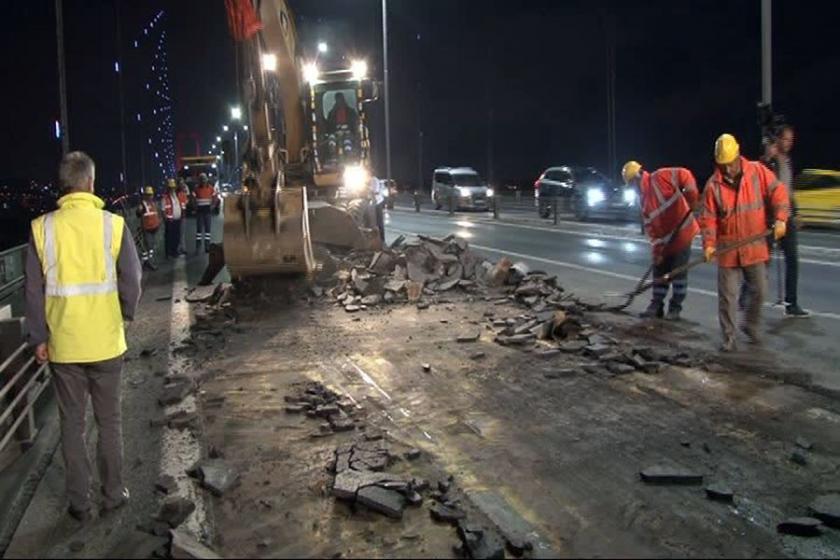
column 599, row 260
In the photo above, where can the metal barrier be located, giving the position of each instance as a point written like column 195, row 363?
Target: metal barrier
column 19, row 395
column 12, row 262
column 820, row 217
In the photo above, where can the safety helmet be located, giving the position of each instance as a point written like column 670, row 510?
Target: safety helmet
column 172, row 184
column 630, row 171
column 727, row 149
column 149, row 190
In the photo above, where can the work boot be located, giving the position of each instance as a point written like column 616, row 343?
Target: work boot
column 794, row 311
column 729, row 345
column 752, row 335
column 673, row 312
column 119, row 503
column 655, row 310
column 80, row 515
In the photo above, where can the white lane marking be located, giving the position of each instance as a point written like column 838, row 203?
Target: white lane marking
column 635, row 239
column 369, row 380
column 180, row 450
column 609, row 273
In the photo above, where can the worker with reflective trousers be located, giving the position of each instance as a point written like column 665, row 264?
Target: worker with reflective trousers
column 668, row 197
column 174, row 208
column 150, row 224
column 206, row 199
column 735, row 217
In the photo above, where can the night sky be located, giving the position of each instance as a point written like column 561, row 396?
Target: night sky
column 522, row 84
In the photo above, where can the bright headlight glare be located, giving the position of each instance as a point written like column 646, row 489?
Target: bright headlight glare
column 355, row 178
column 630, row 196
column 311, row 73
column 359, row 68
column 490, row 192
column 464, row 192
column 594, row 196
column 269, row 62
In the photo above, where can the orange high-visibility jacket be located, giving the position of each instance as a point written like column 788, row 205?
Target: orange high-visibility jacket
column 667, row 197
column 733, row 214
column 168, row 207
column 151, row 218
column 205, row 196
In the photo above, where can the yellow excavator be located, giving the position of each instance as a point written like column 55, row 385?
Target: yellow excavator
column 306, row 168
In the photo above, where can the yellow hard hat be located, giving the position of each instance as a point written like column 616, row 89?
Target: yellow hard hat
column 172, row 184
column 630, row 171
column 149, row 190
column 727, row 149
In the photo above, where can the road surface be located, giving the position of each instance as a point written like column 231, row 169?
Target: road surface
column 599, row 260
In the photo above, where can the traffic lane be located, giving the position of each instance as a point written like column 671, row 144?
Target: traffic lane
column 590, row 272
column 629, row 257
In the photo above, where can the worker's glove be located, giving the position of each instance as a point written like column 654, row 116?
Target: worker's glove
column 709, row 254
column 779, row 230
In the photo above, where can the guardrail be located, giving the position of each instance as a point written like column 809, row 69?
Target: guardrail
column 19, row 394
column 826, row 217
column 11, row 273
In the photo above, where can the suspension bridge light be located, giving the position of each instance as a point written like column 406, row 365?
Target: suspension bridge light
column 225, row 127
column 311, row 73
column 57, row 130
column 322, row 47
column 218, row 138
column 245, row 128
column 359, row 68
column 213, row 147
column 236, row 113
column 269, row 62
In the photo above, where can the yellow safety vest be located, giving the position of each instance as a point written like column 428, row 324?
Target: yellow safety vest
column 78, row 246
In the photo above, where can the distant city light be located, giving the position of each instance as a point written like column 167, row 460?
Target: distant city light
column 117, row 67
column 236, row 113
column 225, row 128
column 57, row 130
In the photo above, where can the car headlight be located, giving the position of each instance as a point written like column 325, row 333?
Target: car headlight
column 465, row 193
column 595, row 196
column 630, row 197
column 356, row 178
column 490, row 193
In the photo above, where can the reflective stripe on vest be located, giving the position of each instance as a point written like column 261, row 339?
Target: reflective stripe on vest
column 667, row 239
column 53, row 288
column 663, row 204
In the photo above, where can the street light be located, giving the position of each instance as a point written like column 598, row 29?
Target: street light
column 322, row 47
column 225, row 127
column 236, row 113
column 218, row 139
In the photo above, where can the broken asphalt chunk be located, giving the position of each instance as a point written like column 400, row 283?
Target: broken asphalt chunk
column 412, row 454
column 469, row 337
column 670, row 476
column 166, row 484
column 348, row 482
column 803, row 443
column 481, row 543
column 799, row 457
column 720, row 493
column 175, row 392
column 572, row 346
column 827, row 509
column 185, row 546
column 597, row 350
column 175, row 510
column 445, row 514
column 382, row 500
column 800, row 527
column 215, row 475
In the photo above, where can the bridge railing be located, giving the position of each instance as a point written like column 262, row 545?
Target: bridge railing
column 11, row 277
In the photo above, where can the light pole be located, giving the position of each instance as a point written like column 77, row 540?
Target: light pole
column 387, row 97
column 767, row 52
column 62, row 76
column 236, row 115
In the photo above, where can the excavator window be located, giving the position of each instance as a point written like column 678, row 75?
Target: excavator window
column 338, row 116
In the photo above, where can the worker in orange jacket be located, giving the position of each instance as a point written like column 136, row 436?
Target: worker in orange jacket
column 174, row 209
column 149, row 215
column 735, row 209
column 206, row 198
column 668, row 197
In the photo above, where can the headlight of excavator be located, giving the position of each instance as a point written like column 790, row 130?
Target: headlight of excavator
column 356, row 178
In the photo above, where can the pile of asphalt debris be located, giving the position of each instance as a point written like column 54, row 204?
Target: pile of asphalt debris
column 361, row 480
column 317, row 401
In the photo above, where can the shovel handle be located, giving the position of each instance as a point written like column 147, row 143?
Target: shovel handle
column 724, row 250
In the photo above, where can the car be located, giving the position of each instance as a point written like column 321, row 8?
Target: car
column 817, row 197
column 586, row 192
column 463, row 185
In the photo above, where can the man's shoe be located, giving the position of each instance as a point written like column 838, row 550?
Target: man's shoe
column 796, row 312
column 80, row 515
column 752, row 336
column 122, row 501
column 673, row 313
column 654, row 311
column 729, row 345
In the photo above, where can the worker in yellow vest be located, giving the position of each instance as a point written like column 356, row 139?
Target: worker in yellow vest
column 82, row 283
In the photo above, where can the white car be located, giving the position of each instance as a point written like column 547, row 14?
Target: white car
column 464, row 185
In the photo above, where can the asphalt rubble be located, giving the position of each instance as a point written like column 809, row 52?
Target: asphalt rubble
column 425, row 271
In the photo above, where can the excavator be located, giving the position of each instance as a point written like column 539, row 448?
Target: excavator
column 306, row 168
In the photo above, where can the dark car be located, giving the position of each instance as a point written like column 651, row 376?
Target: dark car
column 586, row 192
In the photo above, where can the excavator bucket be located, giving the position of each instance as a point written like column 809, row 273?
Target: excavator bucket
column 337, row 227
column 268, row 240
